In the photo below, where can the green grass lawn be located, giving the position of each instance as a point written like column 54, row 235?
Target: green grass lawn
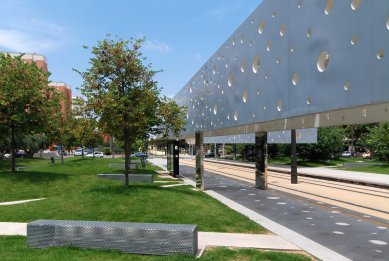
column 74, row 193
column 338, row 163
column 14, row 248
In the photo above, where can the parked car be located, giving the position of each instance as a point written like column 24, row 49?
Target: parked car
column 210, row 155
column 20, row 154
column 139, row 155
column 78, row 152
column 7, row 156
column 96, row 154
column 346, row 154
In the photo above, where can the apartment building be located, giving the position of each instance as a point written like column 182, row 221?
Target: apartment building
column 66, row 102
column 41, row 62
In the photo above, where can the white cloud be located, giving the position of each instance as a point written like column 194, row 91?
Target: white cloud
column 158, row 46
column 30, row 35
column 19, row 41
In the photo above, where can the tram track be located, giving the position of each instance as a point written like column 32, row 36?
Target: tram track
column 330, row 184
column 366, row 200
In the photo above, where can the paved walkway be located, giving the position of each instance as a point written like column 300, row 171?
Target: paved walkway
column 325, row 231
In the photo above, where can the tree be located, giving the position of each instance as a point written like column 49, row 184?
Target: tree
column 121, row 92
column 4, row 141
column 378, row 139
column 27, row 103
column 357, row 134
column 173, row 118
column 330, row 143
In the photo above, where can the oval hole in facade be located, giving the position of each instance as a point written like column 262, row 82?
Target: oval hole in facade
column 280, row 105
column 329, row 6
column 295, row 79
column 243, row 66
column 230, row 80
column 355, row 4
column 245, row 96
column 380, row 54
column 323, row 61
column 354, row 40
column 261, row 27
column 347, row 86
column 282, row 30
column 256, row 64
column 268, row 46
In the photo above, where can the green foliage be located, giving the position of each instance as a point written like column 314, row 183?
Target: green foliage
column 173, row 117
column 121, row 92
column 378, row 139
column 278, row 150
column 120, row 89
column 32, row 143
column 27, row 103
column 330, row 143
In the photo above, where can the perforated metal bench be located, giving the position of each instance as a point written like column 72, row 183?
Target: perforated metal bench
column 136, row 238
column 133, row 178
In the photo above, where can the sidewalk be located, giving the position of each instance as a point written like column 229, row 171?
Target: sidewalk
column 325, row 231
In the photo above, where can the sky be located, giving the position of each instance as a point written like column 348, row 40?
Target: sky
column 180, row 34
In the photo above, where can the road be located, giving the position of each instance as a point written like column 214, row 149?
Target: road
column 349, row 219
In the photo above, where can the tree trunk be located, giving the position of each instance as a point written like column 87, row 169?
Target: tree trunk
column 111, row 147
column 13, row 150
column 126, row 156
column 353, row 141
column 62, row 157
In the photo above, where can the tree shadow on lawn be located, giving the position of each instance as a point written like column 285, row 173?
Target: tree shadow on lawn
column 132, row 171
column 33, row 177
column 138, row 188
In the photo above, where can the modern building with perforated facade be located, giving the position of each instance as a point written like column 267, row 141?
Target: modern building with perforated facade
column 292, row 65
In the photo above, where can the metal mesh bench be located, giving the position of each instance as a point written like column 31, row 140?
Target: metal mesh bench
column 133, row 178
column 136, row 238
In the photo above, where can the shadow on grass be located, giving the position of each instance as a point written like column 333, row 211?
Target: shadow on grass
column 135, row 188
column 33, row 177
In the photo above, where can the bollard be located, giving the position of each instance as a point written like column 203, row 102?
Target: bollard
column 143, row 161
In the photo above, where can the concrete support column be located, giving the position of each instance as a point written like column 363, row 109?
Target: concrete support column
column 199, row 161
column 293, row 149
column 261, row 160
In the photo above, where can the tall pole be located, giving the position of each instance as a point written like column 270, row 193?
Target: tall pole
column 260, row 160
column 199, row 161
column 293, row 149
